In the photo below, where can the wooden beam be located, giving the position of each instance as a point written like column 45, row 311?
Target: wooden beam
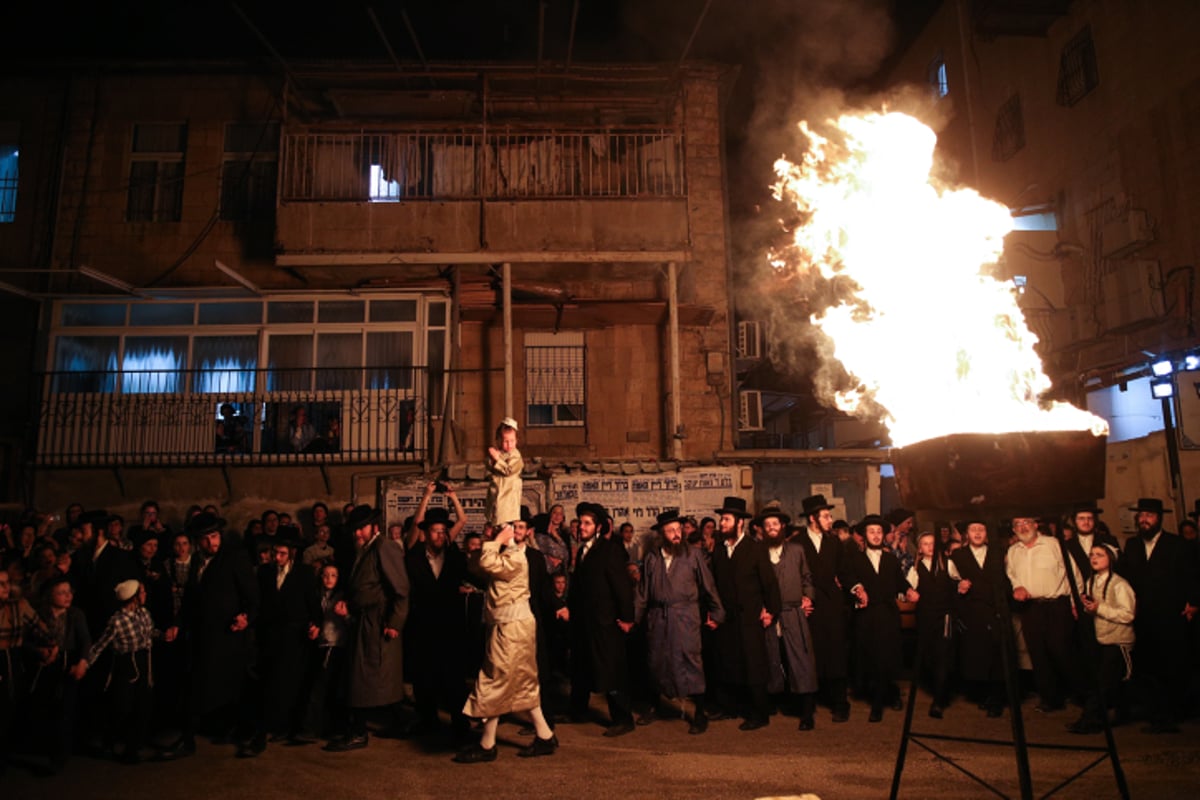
column 309, row 260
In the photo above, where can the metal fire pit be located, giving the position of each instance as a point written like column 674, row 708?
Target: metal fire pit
column 994, row 472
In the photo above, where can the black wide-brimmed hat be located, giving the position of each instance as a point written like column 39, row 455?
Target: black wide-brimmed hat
column 773, row 510
column 97, row 517
column 435, row 516
column 594, row 510
column 204, row 522
column 898, row 515
column 735, row 506
column 143, row 535
column 365, row 515
column 1151, row 504
column 1084, row 507
column 665, row 518
column 814, row 504
column 872, row 519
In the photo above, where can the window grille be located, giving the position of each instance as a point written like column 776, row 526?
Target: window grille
column 555, row 379
column 1009, row 135
column 1077, row 71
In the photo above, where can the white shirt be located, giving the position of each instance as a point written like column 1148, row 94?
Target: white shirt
column 1039, row 569
column 873, row 556
column 815, row 538
column 436, row 560
column 1150, row 544
column 667, row 558
column 281, row 575
column 776, row 553
column 913, row 578
column 1086, row 539
column 587, row 548
column 729, row 548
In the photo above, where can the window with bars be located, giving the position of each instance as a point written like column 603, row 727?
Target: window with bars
column 1009, row 135
column 9, row 155
column 156, row 172
column 555, row 379
column 1078, row 74
column 937, row 77
column 248, row 173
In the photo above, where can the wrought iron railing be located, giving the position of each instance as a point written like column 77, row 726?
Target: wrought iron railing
column 393, row 166
column 241, row 416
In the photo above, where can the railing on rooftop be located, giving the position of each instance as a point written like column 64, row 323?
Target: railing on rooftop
column 238, row 416
column 395, row 166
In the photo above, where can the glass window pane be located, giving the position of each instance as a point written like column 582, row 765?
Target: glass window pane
column 159, row 138
column 230, row 313
column 224, row 363
column 289, row 359
column 153, row 364
column 85, row 363
column 161, row 313
column 143, row 176
column 77, row 315
column 393, row 311
column 339, row 360
column 437, row 371
column 170, row 191
column 437, row 314
column 282, row 313
column 389, row 360
column 340, row 311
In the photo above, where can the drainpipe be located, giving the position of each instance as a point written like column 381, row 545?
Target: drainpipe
column 508, row 344
column 673, row 347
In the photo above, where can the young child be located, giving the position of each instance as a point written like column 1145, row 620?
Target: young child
column 320, row 550
column 1110, row 600
column 504, row 465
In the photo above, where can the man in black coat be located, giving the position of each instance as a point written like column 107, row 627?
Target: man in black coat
column 829, row 561
column 97, row 570
column 749, row 590
column 1079, row 546
column 435, row 632
column 601, row 614
column 1162, row 569
column 287, row 623
column 982, row 585
column 220, row 605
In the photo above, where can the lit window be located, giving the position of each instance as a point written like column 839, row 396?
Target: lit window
column 8, row 182
column 937, row 76
column 555, row 379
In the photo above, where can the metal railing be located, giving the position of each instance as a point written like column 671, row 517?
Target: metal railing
column 396, row 166
column 273, row 416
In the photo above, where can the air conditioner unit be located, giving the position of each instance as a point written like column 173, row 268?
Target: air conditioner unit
column 748, row 340
column 1126, row 234
column 750, row 416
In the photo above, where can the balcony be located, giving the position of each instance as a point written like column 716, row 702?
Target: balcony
column 237, row 417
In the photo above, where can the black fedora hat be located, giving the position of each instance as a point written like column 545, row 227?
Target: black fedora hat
column 872, row 519
column 435, row 516
column 1151, row 504
column 594, row 510
column 204, row 522
column 735, row 506
column 143, row 535
column 898, row 515
column 814, row 504
column 97, row 517
column 772, row 510
column 1084, row 507
column 364, row 515
column 665, row 518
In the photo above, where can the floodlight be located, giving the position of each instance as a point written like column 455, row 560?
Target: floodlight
column 1162, row 388
column 1162, row 367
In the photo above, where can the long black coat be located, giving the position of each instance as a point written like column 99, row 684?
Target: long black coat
column 600, row 595
column 747, row 584
column 284, row 649
column 1163, row 584
column 542, row 602
column 878, row 652
column 377, row 595
column 219, row 657
column 94, row 578
column 436, row 630
column 1082, row 560
column 669, row 603
column 829, row 621
column 978, row 612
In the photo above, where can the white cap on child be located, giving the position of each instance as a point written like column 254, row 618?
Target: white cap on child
column 509, row 422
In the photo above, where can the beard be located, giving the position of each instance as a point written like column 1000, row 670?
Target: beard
column 871, row 546
column 1148, row 532
column 1027, row 535
column 773, row 540
column 675, row 550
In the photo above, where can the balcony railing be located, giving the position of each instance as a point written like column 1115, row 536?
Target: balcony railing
column 377, row 166
column 276, row 416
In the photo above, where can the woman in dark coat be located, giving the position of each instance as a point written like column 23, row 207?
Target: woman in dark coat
column 878, row 582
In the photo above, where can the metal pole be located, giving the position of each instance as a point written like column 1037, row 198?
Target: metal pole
column 508, row 344
column 673, row 346
column 1168, row 412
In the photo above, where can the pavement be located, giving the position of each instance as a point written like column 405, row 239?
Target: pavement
column 855, row 759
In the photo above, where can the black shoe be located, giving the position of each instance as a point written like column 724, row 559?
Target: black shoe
column 721, row 716
column 181, row 749
column 935, row 711
column 475, row 755
column 252, row 748
column 1157, row 728
column 841, row 715
column 647, row 718
column 698, row 725
column 347, row 743
column 876, row 715
column 898, row 704
column 539, row 747
column 618, row 729
column 754, row 723
column 807, row 724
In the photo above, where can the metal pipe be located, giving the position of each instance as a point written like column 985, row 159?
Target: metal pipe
column 508, row 343
column 571, row 35
column 383, row 38
column 673, row 348
column 412, row 34
column 695, row 30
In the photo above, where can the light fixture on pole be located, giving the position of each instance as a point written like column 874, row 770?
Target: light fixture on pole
column 1162, row 388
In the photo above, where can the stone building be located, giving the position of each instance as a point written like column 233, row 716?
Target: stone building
column 257, row 289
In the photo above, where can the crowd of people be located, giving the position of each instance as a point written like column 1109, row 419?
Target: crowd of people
column 129, row 642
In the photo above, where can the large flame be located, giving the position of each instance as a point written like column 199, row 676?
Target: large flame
column 936, row 346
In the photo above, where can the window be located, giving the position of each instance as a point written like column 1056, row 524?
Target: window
column 1009, row 135
column 937, row 76
column 1077, row 71
column 156, row 173
column 249, row 171
column 555, row 379
column 8, row 172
